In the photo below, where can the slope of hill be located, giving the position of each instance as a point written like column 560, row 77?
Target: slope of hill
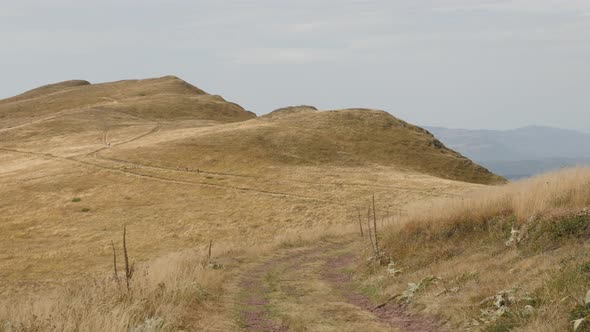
column 47, row 90
column 519, row 152
column 165, row 98
column 304, row 136
column 181, row 167
column 510, row 258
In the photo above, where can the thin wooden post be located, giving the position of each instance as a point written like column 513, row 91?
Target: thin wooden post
column 115, row 262
column 209, row 255
column 369, row 229
column 127, row 270
column 375, row 226
column 360, row 222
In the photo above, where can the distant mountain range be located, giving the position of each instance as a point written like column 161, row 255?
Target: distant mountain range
column 521, row 152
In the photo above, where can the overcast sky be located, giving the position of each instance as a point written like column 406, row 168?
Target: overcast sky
column 494, row 64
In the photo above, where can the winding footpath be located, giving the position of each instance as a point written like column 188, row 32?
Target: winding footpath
column 312, row 289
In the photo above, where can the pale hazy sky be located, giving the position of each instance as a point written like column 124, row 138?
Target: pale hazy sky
column 456, row 63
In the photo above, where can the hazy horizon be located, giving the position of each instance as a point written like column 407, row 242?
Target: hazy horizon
column 489, row 64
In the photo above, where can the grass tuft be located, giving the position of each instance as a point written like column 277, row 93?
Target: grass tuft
column 531, row 234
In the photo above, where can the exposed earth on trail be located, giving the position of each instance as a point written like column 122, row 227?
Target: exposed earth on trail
column 313, row 289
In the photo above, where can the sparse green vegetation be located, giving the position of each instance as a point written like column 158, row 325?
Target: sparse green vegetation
column 371, row 291
column 531, row 235
column 572, row 226
column 76, row 199
column 85, row 210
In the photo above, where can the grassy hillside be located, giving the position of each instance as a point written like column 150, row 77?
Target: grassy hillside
column 165, row 98
column 181, row 167
column 304, row 136
column 506, row 258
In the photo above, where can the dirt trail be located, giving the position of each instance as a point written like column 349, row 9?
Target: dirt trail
column 161, row 178
column 311, row 289
column 157, row 126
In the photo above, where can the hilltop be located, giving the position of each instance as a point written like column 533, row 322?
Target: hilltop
column 194, row 129
column 305, row 136
column 165, row 98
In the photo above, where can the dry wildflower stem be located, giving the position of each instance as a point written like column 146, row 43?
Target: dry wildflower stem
column 127, row 270
column 116, row 276
column 209, row 254
column 369, row 229
column 375, row 227
column 360, row 223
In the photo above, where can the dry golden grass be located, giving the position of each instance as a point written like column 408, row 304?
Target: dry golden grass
column 306, row 137
column 167, row 294
column 566, row 189
column 166, row 98
column 463, row 241
column 177, row 291
column 181, row 167
column 148, row 177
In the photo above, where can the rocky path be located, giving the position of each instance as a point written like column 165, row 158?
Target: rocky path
column 311, row 289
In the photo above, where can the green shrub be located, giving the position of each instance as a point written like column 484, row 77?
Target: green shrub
column 76, row 199
column 572, row 226
column 547, row 235
column 508, row 322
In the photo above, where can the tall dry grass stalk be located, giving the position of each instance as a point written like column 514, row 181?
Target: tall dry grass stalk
column 173, row 292
column 116, row 273
column 377, row 251
column 563, row 190
column 167, row 293
column 369, row 231
column 531, row 235
column 360, row 223
column 127, row 269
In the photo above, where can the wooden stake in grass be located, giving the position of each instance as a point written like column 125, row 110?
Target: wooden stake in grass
column 116, row 276
column 369, row 229
column 209, row 255
column 127, row 270
column 360, row 223
column 375, row 226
